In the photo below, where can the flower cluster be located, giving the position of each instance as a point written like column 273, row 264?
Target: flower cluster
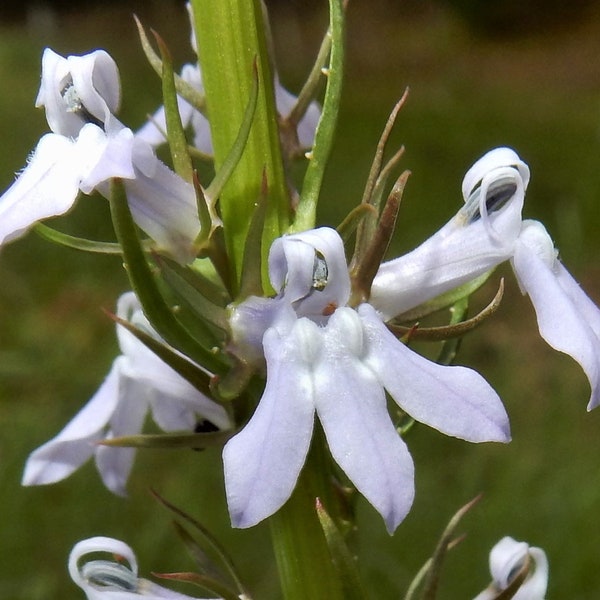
column 289, row 342
column 138, row 382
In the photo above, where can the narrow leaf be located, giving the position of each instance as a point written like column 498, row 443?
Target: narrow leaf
column 76, row 243
column 182, row 163
column 312, row 83
column 319, row 156
column 142, row 280
column 375, row 250
column 184, row 89
column 251, row 274
column 204, row 563
column 210, row 321
column 206, row 537
column 353, row 219
column 190, row 372
column 203, row 581
column 444, row 300
column 458, row 313
column 436, row 334
column 343, row 561
column 433, row 574
column 170, row 440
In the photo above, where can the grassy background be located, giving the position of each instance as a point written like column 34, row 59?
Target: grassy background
column 539, row 94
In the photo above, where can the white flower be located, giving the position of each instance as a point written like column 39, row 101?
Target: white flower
column 324, row 357
column 87, row 148
column 487, row 231
column 138, row 382
column 480, row 236
column 154, row 130
column 103, row 579
column 567, row 319
column 507, row 558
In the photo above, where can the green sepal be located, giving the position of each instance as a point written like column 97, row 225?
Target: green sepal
column 234, row 382
column 353, row 219
column 455, row 328
column 184, row 89
column 251, row 274
column 429, row 574
column 211, row 318
column 363, row 272
column 341, row 556
column 288, row 124
column 375, row 185
column 143, row 283
column 77, row 243
column 324, row 135
column 209, row 541
column 196, row 441
column 182, row 163
column 191, row 373
column 444, row 300
column 203, row 562
column 204, row 582
column 203, row 277
column 458, row 313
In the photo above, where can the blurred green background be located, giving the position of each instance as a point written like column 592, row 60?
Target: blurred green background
column 530, row 80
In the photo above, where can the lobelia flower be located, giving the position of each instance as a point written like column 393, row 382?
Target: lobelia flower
column 103, row 579
column 324, row 357
column 507, row 558
column 487, row 231
column 138, row 382
column 154, row 130
column 87, row 147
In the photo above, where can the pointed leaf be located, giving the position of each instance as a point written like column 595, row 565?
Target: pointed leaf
column 178, row 145
column 431, row 569
column 456, row 328
column 206, row 537
column 204, row 582
column 169, row 440
column 202, row 560
column 312, row 83
column 444, row 300
column 197, row 377
column 343, row 560
column 77, row 243
column 431, row 584
column 184, row 89
column 142, row 280
column 209, row 321
column 251, row 275
column 318, row 157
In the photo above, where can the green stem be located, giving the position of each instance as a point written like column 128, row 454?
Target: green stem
column 231, row 38
column 306, row 569
column 319, row 156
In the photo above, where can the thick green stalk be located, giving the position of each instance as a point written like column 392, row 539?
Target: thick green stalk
column 231, row 39
column 305, row 564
